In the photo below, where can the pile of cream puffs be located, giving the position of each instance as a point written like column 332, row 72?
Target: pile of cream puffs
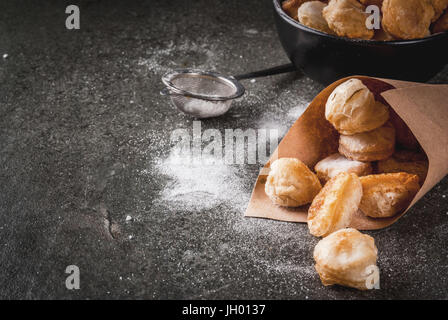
column 379, row 169
column 400, row 19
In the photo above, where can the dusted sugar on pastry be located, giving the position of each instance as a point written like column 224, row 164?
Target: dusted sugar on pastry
column 347, row 258
column 407, row 19
column 385, row 195
column 441, row 25
column 405, row 161
column 310, row 15
column 336, row 163
column 378, row 144
column 347, row 18
column 291, row 183
column 351, row 108
column 291, row 7
column 335, row 205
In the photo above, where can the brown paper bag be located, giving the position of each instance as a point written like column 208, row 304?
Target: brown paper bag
column 423, row 107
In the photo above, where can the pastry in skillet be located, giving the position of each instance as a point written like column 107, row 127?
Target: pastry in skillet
column 335, row 205
column 439, row 6
column 405, row 161
column 310, row 15
column 407, row 19
column 347, row 18
column 291, row 7
column 377, row 3
column 382, row 35
column 378, row 144
column 351, row 108
column 291, row 184
column 385, row 195
column 441, row 25
column 332, row 165
column 346, row 258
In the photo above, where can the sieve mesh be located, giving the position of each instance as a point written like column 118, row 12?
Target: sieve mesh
column 201, row 94
column 203, row 85
column 200, row 108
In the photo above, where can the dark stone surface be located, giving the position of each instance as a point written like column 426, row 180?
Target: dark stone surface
column 84, row 135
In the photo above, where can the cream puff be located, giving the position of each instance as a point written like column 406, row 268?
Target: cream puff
column 385, row 195
column 348, row 258
column 291, row 183
column 351, row 108
column 336, row 163
column 378, row 144
column 335, row 205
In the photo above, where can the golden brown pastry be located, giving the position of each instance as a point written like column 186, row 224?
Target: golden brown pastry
column 404, row 161
column 439, row 6
column 351, row 108
column 291, row 7
column 335, row 205
column 407, row 19
column 441, row 25
column 310, row 14
column 385, row 195
column 347, row 18
column 345, row 257
column 378, row 144
column 332, row 165
column 291, row 184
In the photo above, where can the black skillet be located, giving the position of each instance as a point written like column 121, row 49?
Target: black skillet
column 326, row 58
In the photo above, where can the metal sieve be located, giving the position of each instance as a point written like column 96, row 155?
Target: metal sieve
column 205, row 94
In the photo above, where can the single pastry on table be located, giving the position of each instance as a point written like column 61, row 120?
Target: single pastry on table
column 378, row 144
column 351, row 108
column 336, row 163
column 346, row 257
column 385, row 195
column 347, row 18
column 335, row 205
column 405, row 161
column 407, row 19
column 310, row 15
column 291, row 183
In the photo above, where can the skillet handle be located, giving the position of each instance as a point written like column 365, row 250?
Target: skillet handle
column 267, row 72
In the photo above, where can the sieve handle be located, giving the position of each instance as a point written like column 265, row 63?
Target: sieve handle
column 267, row 72
column 168, row 92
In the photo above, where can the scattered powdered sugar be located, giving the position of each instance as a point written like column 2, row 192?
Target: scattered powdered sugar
column 286, row 267
column 251, row 31
column 300, row 105
column 197, row 183
column 296, row 112
column 175, row 55
column 203, row 108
